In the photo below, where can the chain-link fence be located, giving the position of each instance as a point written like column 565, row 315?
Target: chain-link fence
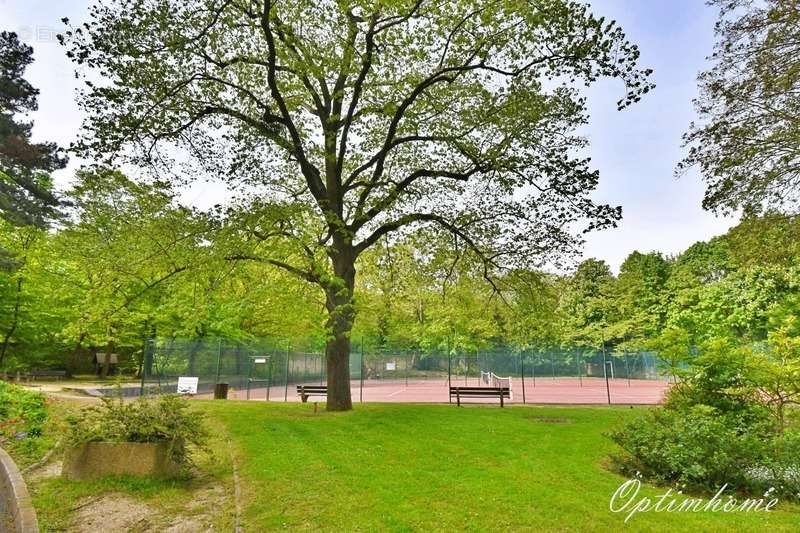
column 272, row 370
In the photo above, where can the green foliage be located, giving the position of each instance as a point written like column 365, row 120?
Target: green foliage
column 26, row 190
column 24, row 418
column 21, row 411
column 724, row 422
column 673, row 347
column 165, row 419
column 745, row 143
column 699, row 446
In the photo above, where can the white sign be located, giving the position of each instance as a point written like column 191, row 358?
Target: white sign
column 391, row 366
column 187, row 385
column 260, row 360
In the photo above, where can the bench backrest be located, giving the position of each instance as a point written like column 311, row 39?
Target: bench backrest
column 313, row 389
column 480, row 391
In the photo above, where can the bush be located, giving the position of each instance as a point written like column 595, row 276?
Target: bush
column 165, row 419
column 22, row 412
column 23, row 415
column 719, row 425
column 700, row 447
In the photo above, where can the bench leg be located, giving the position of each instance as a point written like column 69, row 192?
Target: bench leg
column 458, row 399
column 501, row 400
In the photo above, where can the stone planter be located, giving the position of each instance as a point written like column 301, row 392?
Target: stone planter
column 94, row 460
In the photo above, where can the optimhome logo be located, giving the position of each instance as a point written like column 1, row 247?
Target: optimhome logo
column 626, row 499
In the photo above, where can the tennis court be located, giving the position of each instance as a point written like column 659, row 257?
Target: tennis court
column 572, row 391
column 263, row 371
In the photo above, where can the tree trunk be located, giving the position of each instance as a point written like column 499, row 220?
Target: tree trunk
column 107, row 361
column 14, row 322
column 341, row 314
column 73, row 364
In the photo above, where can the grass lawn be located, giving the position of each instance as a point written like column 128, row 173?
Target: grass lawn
column 401, row 467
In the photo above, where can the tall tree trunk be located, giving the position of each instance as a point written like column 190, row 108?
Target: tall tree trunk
column 341, row 314
column 14, row 323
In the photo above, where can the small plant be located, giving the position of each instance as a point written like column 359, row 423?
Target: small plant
column 165, row 419
column 22, row 412
column 23, row 416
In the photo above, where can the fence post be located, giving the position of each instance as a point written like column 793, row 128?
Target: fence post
column 552, row 365
column 271, row 360
column 522, row 372
column 219, row 354
column 145, row 355
column 449, row 364
column 578, row 368
column 286, row 377
column 605, row 372
column 361, row 374
column 627, row 370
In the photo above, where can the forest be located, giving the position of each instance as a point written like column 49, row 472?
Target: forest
column 129, row 262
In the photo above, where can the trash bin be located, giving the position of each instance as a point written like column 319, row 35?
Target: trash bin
column 221, row 391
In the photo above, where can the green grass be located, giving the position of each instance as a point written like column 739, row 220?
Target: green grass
column 400, row 467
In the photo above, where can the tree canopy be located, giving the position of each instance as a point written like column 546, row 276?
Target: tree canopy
column 349, row 122
column 745, row 142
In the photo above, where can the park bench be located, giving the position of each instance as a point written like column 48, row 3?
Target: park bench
column 47, row 374
column 311, row 390
column 480, row 392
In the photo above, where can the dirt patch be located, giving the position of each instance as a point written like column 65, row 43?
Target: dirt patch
column 117, row 512
column 51, row 469
column 551, row 419
column 113, row 512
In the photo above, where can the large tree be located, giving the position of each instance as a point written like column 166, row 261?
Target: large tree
column 351, row 121
column 26, row 196
column 746, row 140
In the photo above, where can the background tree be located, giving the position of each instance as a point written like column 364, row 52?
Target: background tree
column 639, row 297
column 26, row 195
column 745, row 143
column 368, row 117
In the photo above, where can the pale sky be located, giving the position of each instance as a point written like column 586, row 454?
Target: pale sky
column 636, row 150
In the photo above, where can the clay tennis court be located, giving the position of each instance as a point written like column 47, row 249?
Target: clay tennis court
column 536, row 391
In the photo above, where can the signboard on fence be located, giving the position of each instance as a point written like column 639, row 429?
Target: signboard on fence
column 391, row 366
column 187, row 385
column 260, row 360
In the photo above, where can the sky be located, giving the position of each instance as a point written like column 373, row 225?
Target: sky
column 636, row 150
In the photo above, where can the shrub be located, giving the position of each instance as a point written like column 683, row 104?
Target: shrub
column 23, row 415
column 165, row 419
column 725, row 422
column 699, row 447
column 22, row 412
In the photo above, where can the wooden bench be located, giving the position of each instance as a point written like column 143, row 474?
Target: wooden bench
column 47, row 374
column 311, row 390
column 480, row 392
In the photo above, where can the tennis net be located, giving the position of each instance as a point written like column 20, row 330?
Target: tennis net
column 493, row 380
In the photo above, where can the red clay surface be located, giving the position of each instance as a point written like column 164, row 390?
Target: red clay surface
column 538, row 391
